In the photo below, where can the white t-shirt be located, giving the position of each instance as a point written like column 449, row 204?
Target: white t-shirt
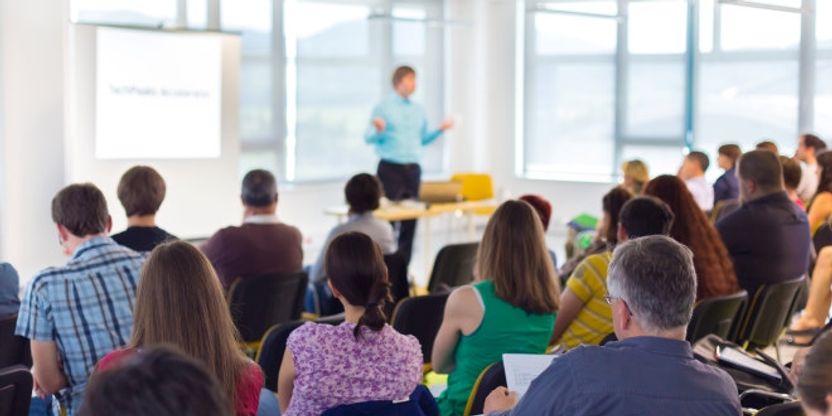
column 808, row 182
column 703, row 192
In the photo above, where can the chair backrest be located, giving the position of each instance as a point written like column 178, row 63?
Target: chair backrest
column 822, row 237
column 454, row 266
column 768, row 313
column 260, row 302
column 716, row 316
column 420, row 403
column 475, row 186
column 273, row 346
column 15, row 391
column 492, row 377
column 723, row 208
column 421, row 317
column 14, row 350
column 397, row 273
column 782, row 409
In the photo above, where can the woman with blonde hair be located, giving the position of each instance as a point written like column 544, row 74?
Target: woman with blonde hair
column 509, row 309
column 180, row 303
column 636, row 175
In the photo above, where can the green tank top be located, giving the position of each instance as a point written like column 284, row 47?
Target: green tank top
column 504, row 329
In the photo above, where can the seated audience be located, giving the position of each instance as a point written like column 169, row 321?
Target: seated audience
column 726, row 186
column 364, row 358
column 768, row 236
column 363, row 194
column 607, row 229
column 635, row 174
column 141, row 191
column 809, row 147
column 584, row 317
column 9, row 288
column 64, row 313
column 262, row 244
column 692, row 173
column 714, row 270
column 791, row 179
column 651, row 370
column 509, row 309
column 820, row 207
column 544, row 212
column 768, row 145
column 814, row 385
column 157, row 381
column 180, row 303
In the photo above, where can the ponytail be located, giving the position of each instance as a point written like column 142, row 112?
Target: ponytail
column 355, row 267
column 374, row 317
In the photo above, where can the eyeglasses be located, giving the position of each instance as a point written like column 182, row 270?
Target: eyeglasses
column 610, row 299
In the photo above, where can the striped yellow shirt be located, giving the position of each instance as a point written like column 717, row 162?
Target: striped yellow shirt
column 589, row 283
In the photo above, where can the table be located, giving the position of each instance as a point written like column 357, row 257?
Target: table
column 415, row 210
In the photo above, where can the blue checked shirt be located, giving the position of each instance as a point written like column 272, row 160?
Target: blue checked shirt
column 405, row 132
column 85, row 307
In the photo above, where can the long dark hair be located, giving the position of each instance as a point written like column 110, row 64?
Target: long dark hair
column 355, row 268
column 714, row 269
column 612, row 203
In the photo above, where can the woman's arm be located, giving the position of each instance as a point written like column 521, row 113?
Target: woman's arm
column 570, row 306
column 463, row 314
column 286, row 381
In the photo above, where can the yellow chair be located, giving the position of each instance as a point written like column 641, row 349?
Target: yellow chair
column 476, row 187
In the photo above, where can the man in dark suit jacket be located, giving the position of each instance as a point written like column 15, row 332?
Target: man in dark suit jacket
column 768, row 236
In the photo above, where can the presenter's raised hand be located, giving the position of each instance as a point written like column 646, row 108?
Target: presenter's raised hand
column 447, row 124
column 379, row 124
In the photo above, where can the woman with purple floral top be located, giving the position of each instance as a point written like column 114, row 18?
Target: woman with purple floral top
column 363, row 359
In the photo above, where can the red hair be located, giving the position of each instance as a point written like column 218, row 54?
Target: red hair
column 542, row 206
column 714, row 269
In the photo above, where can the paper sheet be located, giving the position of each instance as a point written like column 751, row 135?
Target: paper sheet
column 521, row 369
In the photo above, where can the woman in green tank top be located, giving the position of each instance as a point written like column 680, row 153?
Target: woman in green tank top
column 510, row 309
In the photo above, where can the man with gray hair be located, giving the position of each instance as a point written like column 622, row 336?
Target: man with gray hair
column 651, row 370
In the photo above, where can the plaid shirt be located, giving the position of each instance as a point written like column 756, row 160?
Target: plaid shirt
column 85, row 307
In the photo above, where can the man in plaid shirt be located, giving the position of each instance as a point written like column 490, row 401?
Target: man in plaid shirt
column 77, row 313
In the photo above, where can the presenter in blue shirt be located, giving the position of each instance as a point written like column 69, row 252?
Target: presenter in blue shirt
column 399, row 130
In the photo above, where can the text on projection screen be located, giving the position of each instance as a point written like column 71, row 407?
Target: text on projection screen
column 157, row 95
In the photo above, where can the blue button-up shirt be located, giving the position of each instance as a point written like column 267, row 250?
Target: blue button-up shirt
column 85, row 307
column 638, row 376
column 405, row 132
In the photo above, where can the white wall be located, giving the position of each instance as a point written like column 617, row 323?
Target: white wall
column 32, row 103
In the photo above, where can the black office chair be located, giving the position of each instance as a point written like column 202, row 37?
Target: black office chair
column 421, row 317
column 783, row 409
column 273, row 346
column 716, row 316
column 611, row 337
column 454, row 266
column 15, row 391
column 14, row 350
column 397, row 274
column 768, row 314
column 492, row 377
column 260, row 302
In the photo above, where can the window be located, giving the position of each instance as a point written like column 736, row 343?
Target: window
column 152, row 13
column 619, row 84
column 308, row 89
column 570, row 88
column 748, row 79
